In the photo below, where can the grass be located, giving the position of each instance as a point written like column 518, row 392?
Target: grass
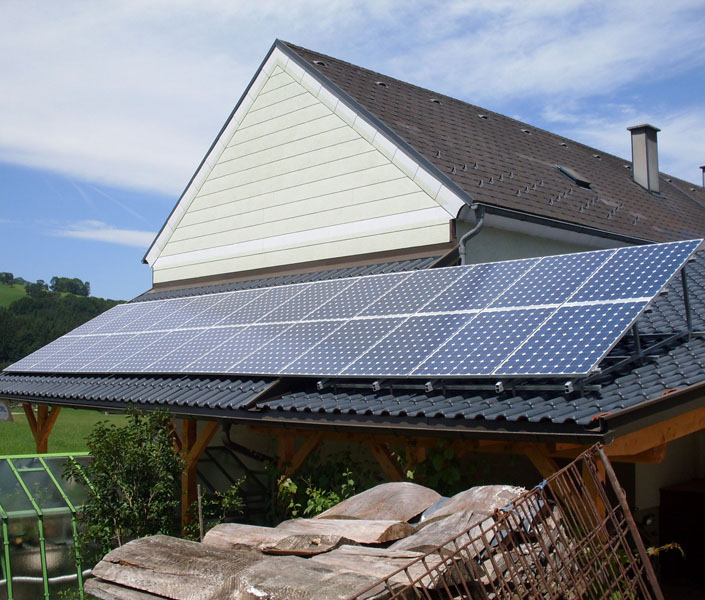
column 10, row 293
column 69, row 433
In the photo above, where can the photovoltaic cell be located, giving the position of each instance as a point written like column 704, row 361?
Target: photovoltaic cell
column 95, row 351
column 271, row 298
column 167, row 350
column 301, row 305
column 572, row 340
column 290, row 344
column 41, row 355
column 341, row 347
column 128, row 316
column 636, row 272
column 357, row 297
column 553, row 280
column 412, row 293
column 130, row 357
column 211, row 352
column 225, row 306
column 407, row 345
column 483, row 343
column 480, row 286
column 103, row 319
column 184, row 312
column 64, row 353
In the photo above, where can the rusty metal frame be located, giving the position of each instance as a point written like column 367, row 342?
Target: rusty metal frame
column 571, row 537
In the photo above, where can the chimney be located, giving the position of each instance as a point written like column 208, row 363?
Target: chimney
column 645, row 156
column 703, row 170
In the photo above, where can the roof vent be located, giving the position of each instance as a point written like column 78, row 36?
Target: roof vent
column 574, row 175
column 597, row 156
column 645, row 156
column 319, row 62
column 564, row 144
column 483, row 116
column 526, row 131
column 703, row 170
column 381, row 83
column 435, row 100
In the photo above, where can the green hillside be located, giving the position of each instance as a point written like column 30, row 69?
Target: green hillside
column 10, row 293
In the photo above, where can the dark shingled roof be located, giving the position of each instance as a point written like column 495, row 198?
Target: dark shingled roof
column 413, row 264
column 502, row 162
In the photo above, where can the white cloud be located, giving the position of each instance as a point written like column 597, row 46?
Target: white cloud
column 102, row 232
column 133, row 93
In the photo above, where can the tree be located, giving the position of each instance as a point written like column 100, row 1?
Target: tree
column 135, row 476
column 70, row 285
column 7, row 278
column 35, row 290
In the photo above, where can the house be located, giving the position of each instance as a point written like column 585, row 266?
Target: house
column 325, row 170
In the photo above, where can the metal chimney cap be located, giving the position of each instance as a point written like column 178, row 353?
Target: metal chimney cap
column 643, row 126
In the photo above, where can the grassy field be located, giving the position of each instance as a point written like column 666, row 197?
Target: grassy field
column 10, row 293
column 69, row 433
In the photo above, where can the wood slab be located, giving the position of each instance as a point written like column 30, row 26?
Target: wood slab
column 109, row 591
column 295, row 578
column 232, row 536
column 395, row 501
column 173, row 568
column 436, row 533
column 481, row 500
column 360, row 531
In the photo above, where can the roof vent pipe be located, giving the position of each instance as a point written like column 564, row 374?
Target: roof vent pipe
column 645, row 156
column 479, row 222
column 703, row 170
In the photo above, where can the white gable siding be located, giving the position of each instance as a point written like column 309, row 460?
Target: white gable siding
column 300, row 178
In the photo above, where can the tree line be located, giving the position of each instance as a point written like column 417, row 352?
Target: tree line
column 71, row 285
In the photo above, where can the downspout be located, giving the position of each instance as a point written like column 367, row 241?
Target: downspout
column 479, row 222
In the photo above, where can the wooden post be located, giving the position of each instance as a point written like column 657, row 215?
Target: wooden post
column 544, row 464
column 286, row 446
column 390, row 466
column 41, row 424
column 310, row 444
column 193, row 446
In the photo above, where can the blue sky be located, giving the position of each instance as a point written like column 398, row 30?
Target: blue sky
column 107, row 108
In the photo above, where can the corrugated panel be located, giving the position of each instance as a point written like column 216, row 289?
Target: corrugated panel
column 175, row 392
column 388, row 267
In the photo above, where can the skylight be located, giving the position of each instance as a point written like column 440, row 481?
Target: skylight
column 574, row 175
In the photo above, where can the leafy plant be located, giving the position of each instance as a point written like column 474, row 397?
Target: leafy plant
column 134, row 480
column 215, row 509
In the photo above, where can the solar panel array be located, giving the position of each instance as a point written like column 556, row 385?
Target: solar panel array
column 550, row 316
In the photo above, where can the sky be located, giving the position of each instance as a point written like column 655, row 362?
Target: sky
column 107, row 108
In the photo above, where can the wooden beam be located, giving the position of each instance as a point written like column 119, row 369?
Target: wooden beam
column 193, row 446
column 286, row 448
column 390, row 466
column 310, row 444
column 540, row 458
column 41, row 424
column 657, row 454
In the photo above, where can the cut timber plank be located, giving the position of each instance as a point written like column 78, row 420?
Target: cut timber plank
column 361, row 531
column 398, row 501
column 109, row 591
column 233, row 536
column 480, row 500
column 437, row 533
column 175, row 568
column 295, row 578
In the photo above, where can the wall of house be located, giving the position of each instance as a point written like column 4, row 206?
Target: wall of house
column 493, row 244
column 299, row 179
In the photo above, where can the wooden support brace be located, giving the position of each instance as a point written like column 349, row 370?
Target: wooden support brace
column 312, row 442
column 544, row 464
column 390, row 466
column 193, row 446
column 286, row 447
column 41, row 424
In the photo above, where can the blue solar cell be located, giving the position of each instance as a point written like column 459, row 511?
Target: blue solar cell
column 40, row 357
column 342, row 346
column 407, row 345
column 572, row 340
column 81, row 358
column 310, row 299
column 415, row 291
column 65, row 352
column 212, row 350
column 132, row 356
column 164, row 353
column 137, row 311
column 285, row 348
column 250, row 340
column 104, row 319
column 271, row 298
column 636, row 272
column 553, row 279
column 480, row 285
column 358, row 296
column 224, row 306
column 186, row 312
column 483, row 343
column 148, row 318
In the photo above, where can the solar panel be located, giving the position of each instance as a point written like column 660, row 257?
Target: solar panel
column 557, row 315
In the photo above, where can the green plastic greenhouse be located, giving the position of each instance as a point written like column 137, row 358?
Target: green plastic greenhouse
column 41, row 551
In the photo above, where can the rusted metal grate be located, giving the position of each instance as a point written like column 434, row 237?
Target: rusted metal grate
column 571, row 537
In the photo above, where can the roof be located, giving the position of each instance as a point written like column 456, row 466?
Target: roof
column 542, row 406
column 507, row 164
column 398, row 266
